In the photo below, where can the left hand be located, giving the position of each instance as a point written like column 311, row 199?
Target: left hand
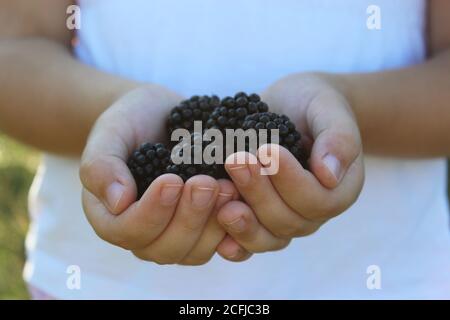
column 295, row 202
column 173, row 222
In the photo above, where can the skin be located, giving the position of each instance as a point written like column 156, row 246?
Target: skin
column 337, row 113
column 173, row 222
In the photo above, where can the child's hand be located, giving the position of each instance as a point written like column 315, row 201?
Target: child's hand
column 173, row 222
column 295, row 202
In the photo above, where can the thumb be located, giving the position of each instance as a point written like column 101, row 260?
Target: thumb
column 337, row 142
column 104, row 172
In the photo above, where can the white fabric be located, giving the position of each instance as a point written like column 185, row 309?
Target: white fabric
column 400, row 222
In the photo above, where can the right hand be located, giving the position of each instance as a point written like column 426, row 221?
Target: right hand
column 173, row 222
column 295, row 202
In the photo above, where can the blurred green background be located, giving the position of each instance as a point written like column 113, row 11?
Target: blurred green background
column 17, row 167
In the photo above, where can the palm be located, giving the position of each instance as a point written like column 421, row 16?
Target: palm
column 294, row 97
column 140, row 116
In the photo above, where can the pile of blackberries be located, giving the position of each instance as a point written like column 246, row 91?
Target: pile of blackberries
column 239, row 112
column 197, row 108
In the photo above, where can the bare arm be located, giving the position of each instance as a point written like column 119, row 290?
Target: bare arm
column 48, row 99
column 407, row 112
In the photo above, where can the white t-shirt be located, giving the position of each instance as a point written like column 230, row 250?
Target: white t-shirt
column 393, row 243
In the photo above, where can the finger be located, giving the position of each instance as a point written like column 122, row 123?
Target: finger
column 213, row 232
column 131, row 120
column 302, row 192
column 143, row 221
column 232, row 251
column 195, row 206
column 257, row 190
column 103, row 170
column 337, row 142
column 241, row 224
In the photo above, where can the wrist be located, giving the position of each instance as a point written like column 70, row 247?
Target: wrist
column 345, row 85
column 341, row 83
column 115, row 89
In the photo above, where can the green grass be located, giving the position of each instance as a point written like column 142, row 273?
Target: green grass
column 17, row 168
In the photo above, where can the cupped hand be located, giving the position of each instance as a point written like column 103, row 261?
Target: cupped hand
column 173, row 222
column 295, row 202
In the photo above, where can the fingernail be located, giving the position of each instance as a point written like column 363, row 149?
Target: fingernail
column 333, row 165
column 201, row 196
column 170, row 194
column 265, row 154
column 240, row 174
column 237, row 225
column 223, row 198
column 236, row 254
column 114, row 194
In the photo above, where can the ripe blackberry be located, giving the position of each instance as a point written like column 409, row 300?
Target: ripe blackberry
column 233, row 110
column 196, row 108
column 242, row 111
column 289, row 137
column 187, row 171
column 189, row 168
column 147, row 163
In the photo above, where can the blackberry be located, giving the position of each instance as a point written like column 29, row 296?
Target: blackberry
column 190, row 169
column 233, row 110
column 147, row 163
column 197, row 108
column 242, row 111
column 187, row 171
column 289, row 137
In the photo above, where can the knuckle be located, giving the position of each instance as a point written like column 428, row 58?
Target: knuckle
column 306, row 230
column 241, row 257
column 274, row 245
column 257, row 249
column 142, row 255
column 250, row 241
column 160, row 259
column 123, row 239
column 113, row 239
column 329, row 212
column 166, row 260
column 85, row 170
column 191, row 224
column 335, row 208
column 193, row 260
column 328, row 209
column 338, row 209
column 279, row 245
column 137, row 237
column 154, row 222
column 287, row 231
column 92, row 172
